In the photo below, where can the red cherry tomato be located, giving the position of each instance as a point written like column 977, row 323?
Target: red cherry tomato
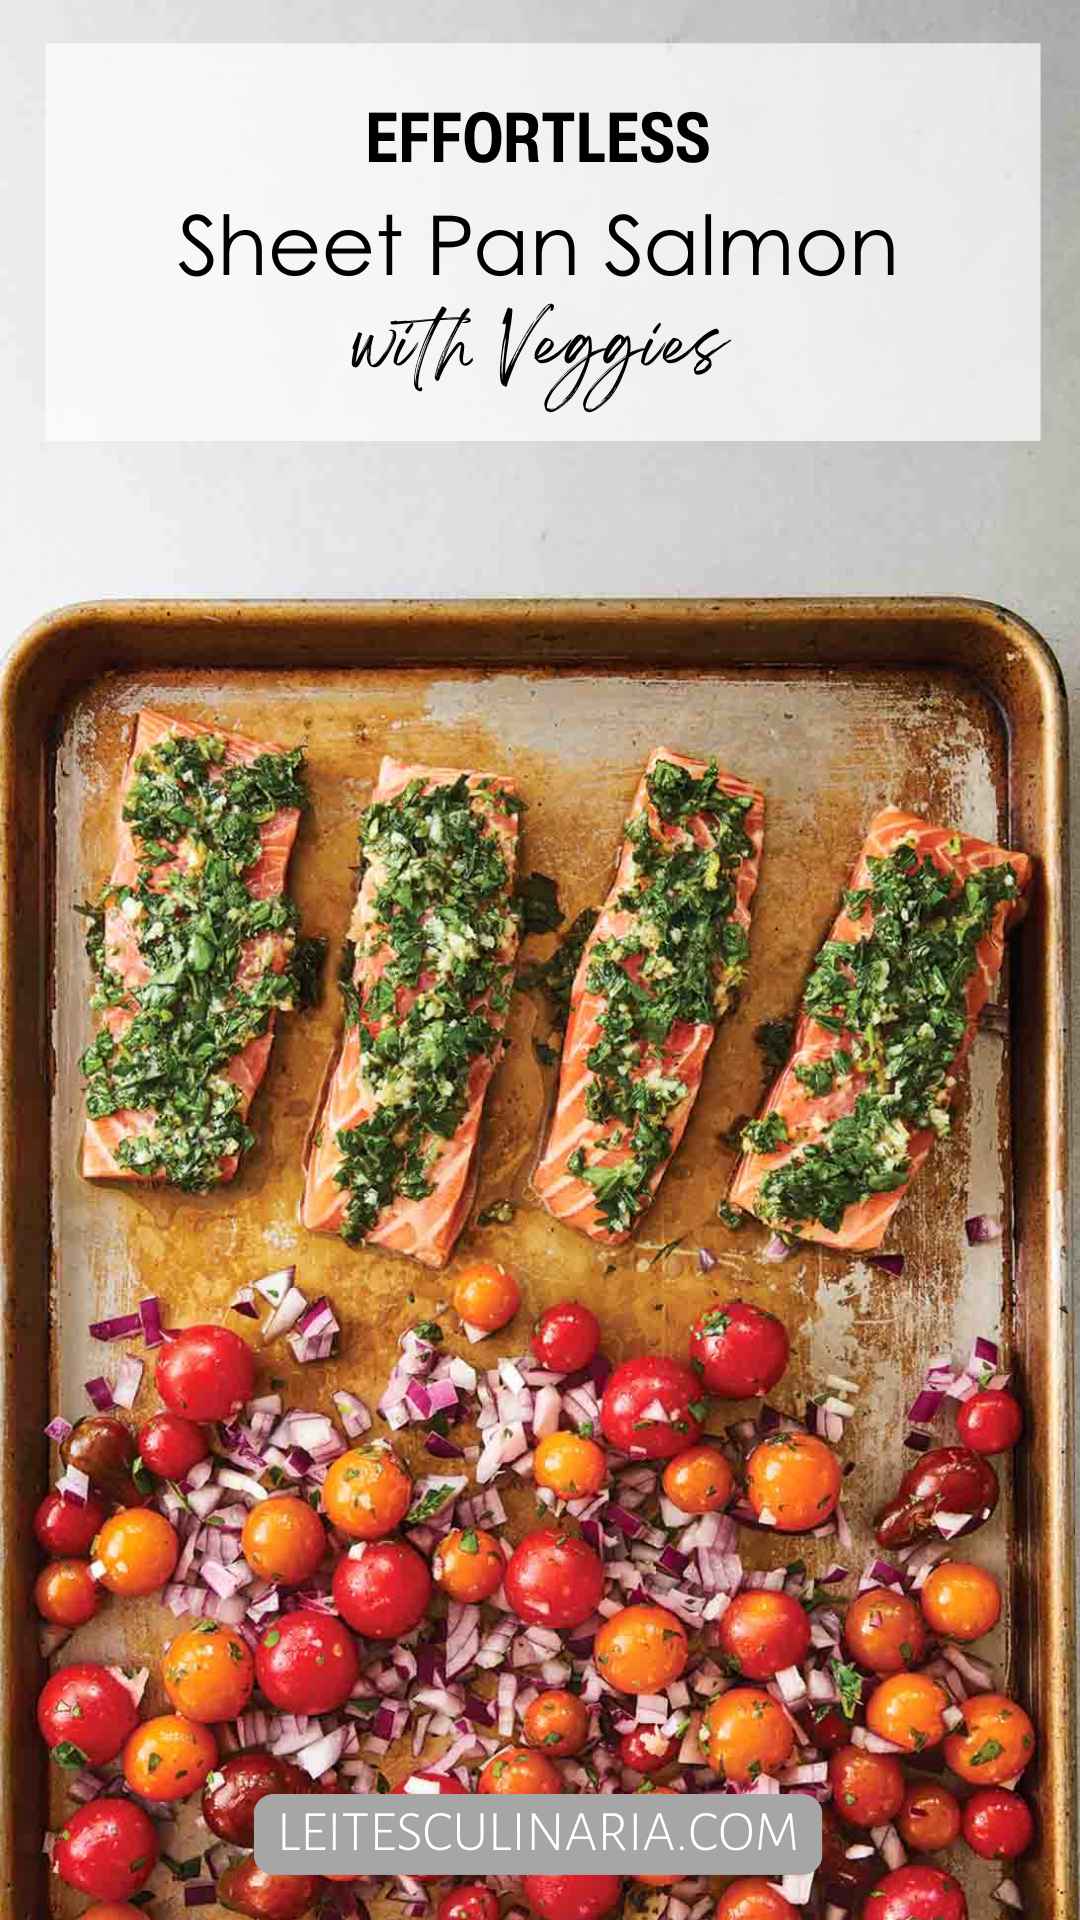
column 170, row 1445
column 109, row 1849
column 553, row 1580
column 245, row 1888
column 652, row 1407
column 753, row 1900
column 476, row 1902
column 428, row 1781
column 576, row 1896
column 867, row 1788
column 382, row 1589
column 65, row 1530
column 231, row 1796
column 65, row 1593
column 647, row 1750
column 566, row 1337
column 916, row 1893
column 991, row 1421
column 741, row 1350
column 997, row 1824
column 114, row 1910
column 762, row 1632
column 85, row 1715
column 929, row 1819
column 307, row 1663
column 206, row 1373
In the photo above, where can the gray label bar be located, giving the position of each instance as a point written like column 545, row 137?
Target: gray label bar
column 621, row 1833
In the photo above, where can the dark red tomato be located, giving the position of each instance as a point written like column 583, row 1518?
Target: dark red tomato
column 65, row 1530
column 245, row 1888
column 383, row 1591
column 647, row 1750
column 762, row 1632
column 574, row 1896
column 171, row 1445
column 845, row 1878
column 103, row 1448
column 566, row 1337
column 916, row 1893
column 468, row 1903
column 307, row 1663
column 827, row 1727
column 236, row 1787
column 108, row 1849
column 652, row 1407
column 85, row 1715
column 553, row 1580
column 428, row 1781
column 741, row 1350
column 998, row 1824
column 991, row 1421
column 945, row 1480
column 206, row 1373
column 867, row 1788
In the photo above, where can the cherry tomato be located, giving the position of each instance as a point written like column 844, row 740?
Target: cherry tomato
column 793, row 1481
column 994, row 1741
column 169, row 1757
column 231, row 1796
column 867, row 1788
column 65, row 1593
column 103, row 1448
column 762, row 1632
column 108, row 1848
column 884, row 1630
column 575, row 1896
column 991, row 1421
column 566, row 1337
column 206, row 1373
column 382, row 1588
column 85, row 1714
column 844, row 1880
column 245, row 1888
column 367, row 1491
column 646, row 1750
column 916, row 1893
column 208, row 1672
column 652, row 1407
column 641, row 1649
column 699, row 1480
column 138, row 1549
column 929, row 1819
column 907, row 1708
column 307, row 1663
column 468, row 1565
column 753, row 1900
column 475, row 1902
column 553, row 1580
column 944, row 1480
column 745, row 1732
column 114, row 1910
column 828, row 1728
column 428, row 1781
column 998, row 1824
column 64, row 1529
column 486, row 1296
column 171, row 1445
column 519, row 1770
column 960, row 1600
column 741, row 1350
column 558, row 1722
column 283, row 1539
column 570, row 1465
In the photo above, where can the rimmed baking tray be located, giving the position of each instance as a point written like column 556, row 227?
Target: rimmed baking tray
column 834, row 707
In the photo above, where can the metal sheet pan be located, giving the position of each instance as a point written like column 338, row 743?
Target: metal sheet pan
column 833, row 707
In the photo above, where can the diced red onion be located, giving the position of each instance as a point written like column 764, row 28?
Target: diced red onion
column 128, row 1380
column 442, row 1448
column 244, row 1303
column 121, row 1326
column 981, row 1229
column 100, row 1394
column 200, row 1893
column 74, row 1485
column 150, row 1319
column 706, row 1260
column 352, row 1412
column 888, row 1262
column 776, row 1249
column 58, row 1429
column 285, row 1316
column 1008, row 1893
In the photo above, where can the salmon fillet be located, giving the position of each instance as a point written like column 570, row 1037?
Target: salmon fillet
column 122, row 955
column 435, row 937
column 806, row 1107
column 598, row 1170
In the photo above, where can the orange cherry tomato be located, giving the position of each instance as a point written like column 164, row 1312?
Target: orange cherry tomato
column 486, row 1296
column 907, row 1708
column 558, row 1722
column 745, row 1732
column 169, row 1757
column 656, row 1879
column 641, row 1649
column 867, row 1788
column 995, row 1741
column 884, row 1630
column 753, row 1900
column 367, row 1491
column 138, row 1549
column 793, row 1481
column 929, row 1819
column 762, row 1632
column 468, row 1565
column 65, row 1593
column 960, row 1600
column 114, row 1910
column 209, row 1672
column 283, row 1539
column 570, row 1465
column 520, row 1770
column 699, row 1480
